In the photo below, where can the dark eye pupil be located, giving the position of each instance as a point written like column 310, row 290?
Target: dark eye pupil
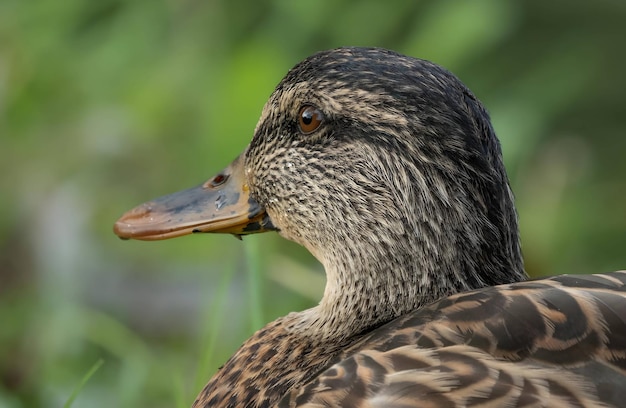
column 307, row 117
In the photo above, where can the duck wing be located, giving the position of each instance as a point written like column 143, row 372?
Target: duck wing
column 555, row 342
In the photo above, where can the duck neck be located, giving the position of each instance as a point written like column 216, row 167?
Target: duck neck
column 363, row 292
column 376, row 277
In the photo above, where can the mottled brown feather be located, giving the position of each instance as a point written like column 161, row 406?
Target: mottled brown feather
column 544, row 343
column 402, row 195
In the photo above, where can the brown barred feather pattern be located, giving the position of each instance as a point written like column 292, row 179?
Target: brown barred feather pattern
column 558, row 342
column 388, row 170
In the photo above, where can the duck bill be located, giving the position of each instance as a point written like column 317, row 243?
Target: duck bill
column 222, row 204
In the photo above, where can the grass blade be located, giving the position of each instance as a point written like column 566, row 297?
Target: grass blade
column 253, row 258
column 82, row 383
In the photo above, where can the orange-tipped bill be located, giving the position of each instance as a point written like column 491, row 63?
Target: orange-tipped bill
column 222, row 204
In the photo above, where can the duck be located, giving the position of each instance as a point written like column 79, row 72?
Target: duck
column 388, row 170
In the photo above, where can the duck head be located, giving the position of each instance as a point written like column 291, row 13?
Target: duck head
column 383, row 166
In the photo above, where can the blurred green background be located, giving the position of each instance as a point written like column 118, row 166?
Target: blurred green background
column 105, row 104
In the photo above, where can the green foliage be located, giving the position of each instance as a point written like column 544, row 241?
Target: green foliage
column 82, row 383
column 104, row 104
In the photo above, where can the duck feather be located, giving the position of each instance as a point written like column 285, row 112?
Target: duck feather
column 388, row 170
column 544, row 343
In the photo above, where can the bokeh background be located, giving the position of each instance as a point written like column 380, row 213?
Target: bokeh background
column 105, row 104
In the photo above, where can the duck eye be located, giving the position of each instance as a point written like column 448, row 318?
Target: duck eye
column 309, row 119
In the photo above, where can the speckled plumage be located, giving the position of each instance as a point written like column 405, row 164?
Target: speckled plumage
column 402, row 195
column 557, row 342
